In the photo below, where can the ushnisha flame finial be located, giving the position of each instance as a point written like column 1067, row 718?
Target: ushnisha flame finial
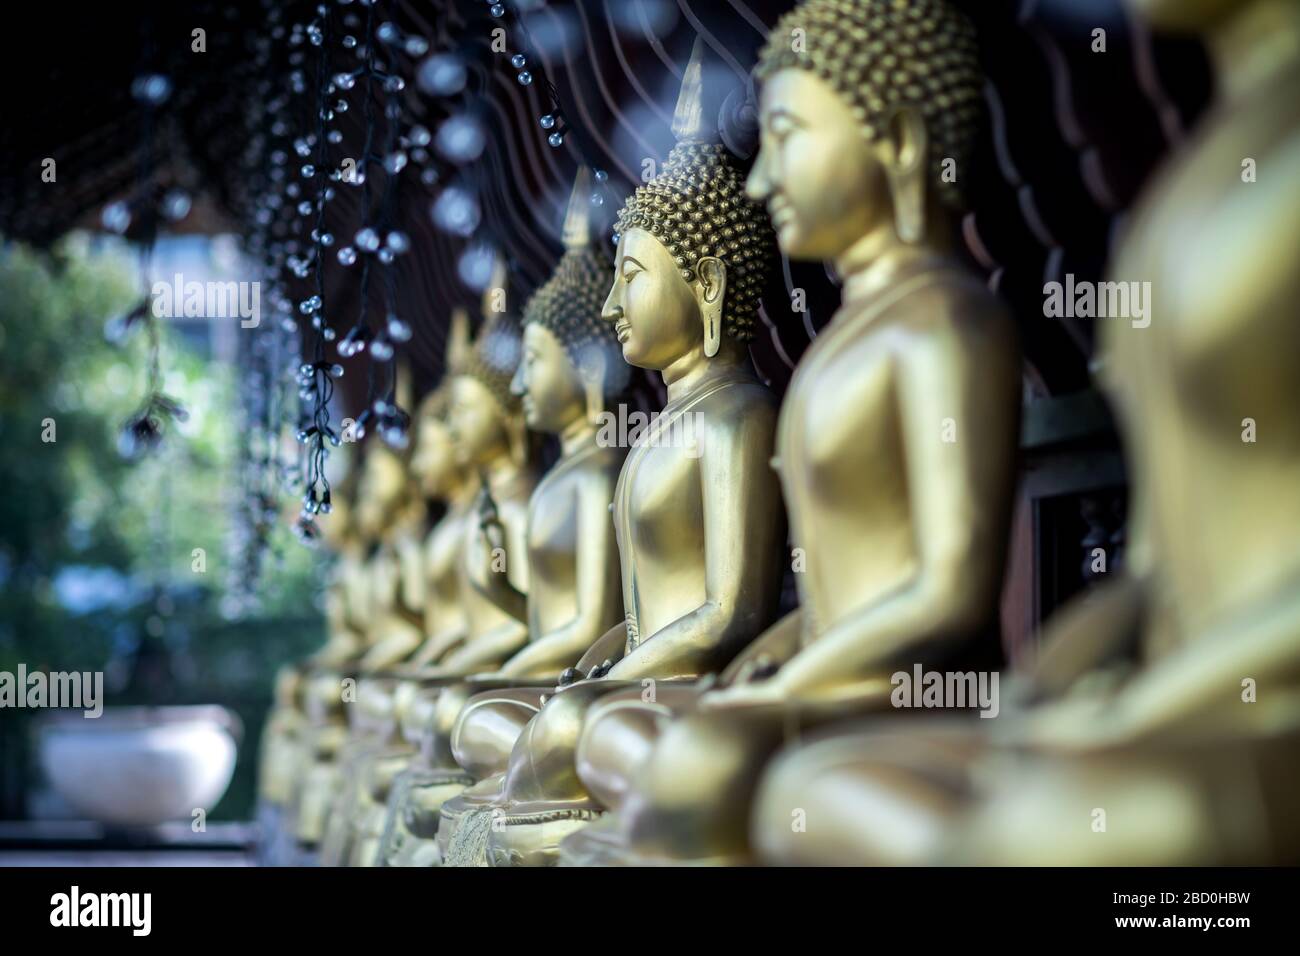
column 495, row 350
column 458, row 340
column 577, row 218
column 404, row 387
column 494, row 301
column 694, row 121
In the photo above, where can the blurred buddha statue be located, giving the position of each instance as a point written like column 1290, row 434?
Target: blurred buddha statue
column 384, row 603
column 570, row 371
column 571, row 368
column 282, row 736
column 697, row 509
column 486, row 431
column 383, row 695
column 897, row 439
column 443, row 478
column 395, row 569
column 345, row 612
column 1161, row 722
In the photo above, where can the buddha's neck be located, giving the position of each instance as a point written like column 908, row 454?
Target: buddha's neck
column 694, row 369
column 460, row 493
column 576, row 436
column 500, row 470
column 876, row 260
column 1251, row 45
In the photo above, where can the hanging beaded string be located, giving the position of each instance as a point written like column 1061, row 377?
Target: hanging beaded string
column 316, row 378
column 263, row 397
column 528, row 72
column 460, row 140
column 143, row 432
column 392, row 422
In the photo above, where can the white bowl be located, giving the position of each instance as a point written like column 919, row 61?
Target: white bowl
column 141, row 766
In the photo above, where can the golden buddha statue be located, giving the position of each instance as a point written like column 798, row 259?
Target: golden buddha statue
column 397, row 589
column 384, row 699
column 341, row 534
column 897, row 438
column 282, row 737
column 485, row 430
column 392, row 698
column 383, row 599
column 697, row 509
column 488, row 433
column 570, row 370
column 1161, row 722
column 376, row 749
column 442, row 478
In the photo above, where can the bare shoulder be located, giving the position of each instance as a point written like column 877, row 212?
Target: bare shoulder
column 958, row 322
column 956, row 302
column 736, row 402
column 599, row 471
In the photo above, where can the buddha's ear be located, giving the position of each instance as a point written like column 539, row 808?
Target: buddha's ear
column 903, row 148
column 711, row 292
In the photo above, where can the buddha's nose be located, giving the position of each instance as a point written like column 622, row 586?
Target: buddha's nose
column 612, row 310
column 758, row 184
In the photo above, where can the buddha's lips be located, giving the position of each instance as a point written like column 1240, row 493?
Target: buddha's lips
column 622, row 330
column 779, row 212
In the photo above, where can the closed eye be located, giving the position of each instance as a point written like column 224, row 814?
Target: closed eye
column 630, row 268
column 781, row 124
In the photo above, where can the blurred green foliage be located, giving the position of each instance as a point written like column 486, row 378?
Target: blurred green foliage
column 98, row 566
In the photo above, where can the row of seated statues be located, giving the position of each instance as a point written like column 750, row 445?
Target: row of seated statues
column 587, row 666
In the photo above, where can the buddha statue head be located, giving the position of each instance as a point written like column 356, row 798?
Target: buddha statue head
column 484, row 416
column 868, row 112
column 433, row 462
column 693, row 252
column 384, row 491
column 571, row 365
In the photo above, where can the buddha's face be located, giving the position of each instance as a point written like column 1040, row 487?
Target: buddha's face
column 383, row 485
column 476, row 424
column 547, row 382
column 655, row 311
column 434, row 461
column 1184, row 15
column 824, row 185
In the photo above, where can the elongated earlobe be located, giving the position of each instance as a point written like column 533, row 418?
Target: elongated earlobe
column 712, row 330
column 713, row 292
column 595, row 401
column 591, row 373
column 906, row 172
